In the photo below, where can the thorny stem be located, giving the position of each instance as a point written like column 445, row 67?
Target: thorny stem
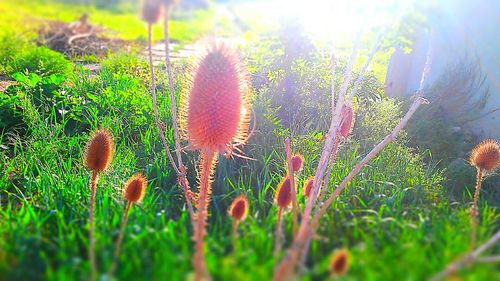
column 118, row 244
column 286, row 268
column 93, row 187
column 473, row 209
column 324, row 188
column 389, row 138
column 234, row 234
column 278, row 233
column 207, row 159
column 173, row 109
column 467, row 259
column 292, row 184
column 155, row 103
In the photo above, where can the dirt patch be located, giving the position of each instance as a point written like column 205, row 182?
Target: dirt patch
column 79, row 38
column 5, row 82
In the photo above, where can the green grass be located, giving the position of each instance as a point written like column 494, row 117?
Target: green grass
column 26, row 15
column 395, row 217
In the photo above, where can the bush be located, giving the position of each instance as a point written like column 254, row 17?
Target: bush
column 19, row 55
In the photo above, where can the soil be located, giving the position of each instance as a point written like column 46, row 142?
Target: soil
column 79, row 38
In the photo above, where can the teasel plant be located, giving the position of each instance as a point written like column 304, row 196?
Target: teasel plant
column 316, row 205
column 99, row 152
column 133, row 192
column 238, row 211
column 151, row 13
column 339, row 263
column 214, row 119
column 283, row 200
column 294, row 165
column 168, row 6
column 485, row 157
column 474, row 256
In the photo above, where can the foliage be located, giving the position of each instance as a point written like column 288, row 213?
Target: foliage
column 18, row 55
column 445, row 126
column 394, row 216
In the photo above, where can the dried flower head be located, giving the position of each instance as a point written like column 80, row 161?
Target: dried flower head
column 297, row 162
column 169, row 3
column 151, row 11
column 284, row 193
column 215, row 107
column 239, row 208
column 486, row 156
column 99, row 150
column 346, row 120
column 135, row 188
column 308, row 185
column 339, row 263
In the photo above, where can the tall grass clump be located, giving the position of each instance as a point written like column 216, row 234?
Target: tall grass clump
column 98, row 155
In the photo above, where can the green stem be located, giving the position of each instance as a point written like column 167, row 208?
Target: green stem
column 93, row 188
column 120, row 239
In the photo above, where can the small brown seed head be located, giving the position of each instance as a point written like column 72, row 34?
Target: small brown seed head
column 297, row 162
column 346, row 120
column 284, row 193
column 99, row 150
column 135, row 188
column 339, row 263
column 151, row 11
column 308, row 187
column 486, row 156
column 239, row 208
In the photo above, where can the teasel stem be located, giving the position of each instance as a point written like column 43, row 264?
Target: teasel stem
column 292, row 184
column 173, row 109
column 207, row 159
column 93, row 188
column 234, row 235
column 286, row 268
column 119, row 242
column 155, row 103
column 279, row 233
column 471, row 257
column 473, row 210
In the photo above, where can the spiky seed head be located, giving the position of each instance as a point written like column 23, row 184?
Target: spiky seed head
column 284, row 193
column 346, row 120
column 297, row 162
column 239, row 208
column 169, row 3
column 308, row 185
column 99, row 150
column 215, row 107
column 151, row 11
column 339, row 263
column 486, row 156
column 135, row 188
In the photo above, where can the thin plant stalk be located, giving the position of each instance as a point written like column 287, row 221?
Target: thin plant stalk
column 278, row 233
column 234, row 233
column 119, row 242
column 173, row 110
column 93, row 188
column 155, row 103
column 292, row 184
column 473, row 210
column 286, row 267
column 207, row 159
column 468, row 259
